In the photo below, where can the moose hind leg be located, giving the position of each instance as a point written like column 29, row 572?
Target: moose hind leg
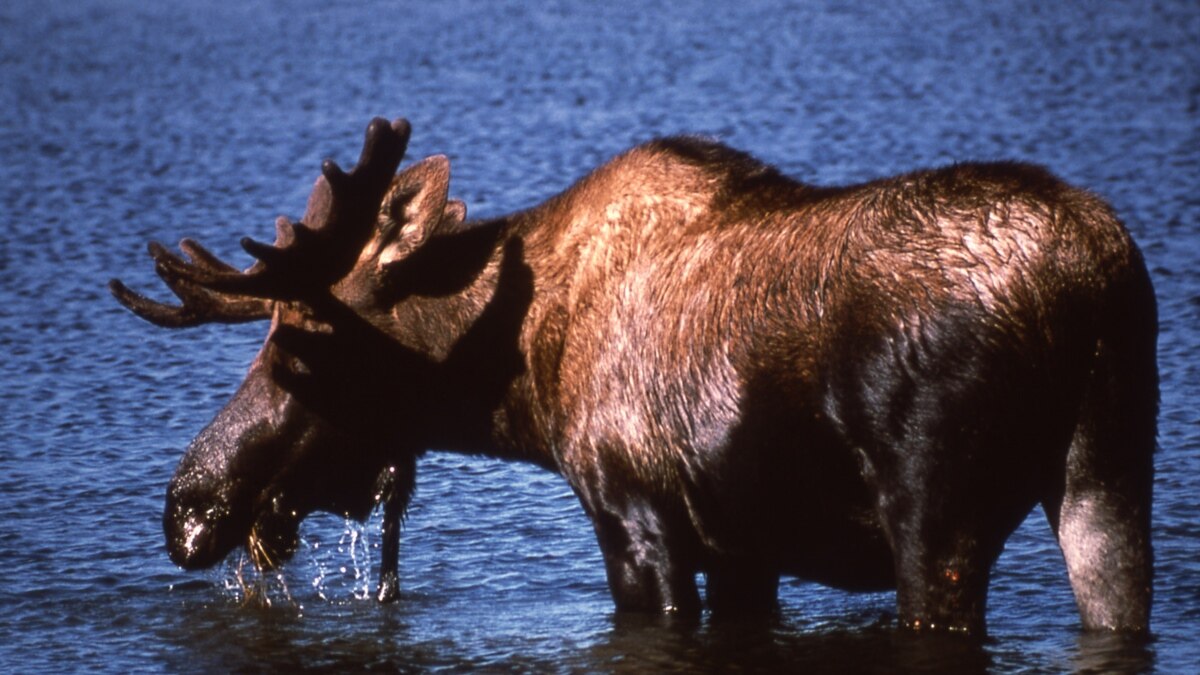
column 951, row 487
column 943, row 567
column 1108, row 559
column 1101, row 511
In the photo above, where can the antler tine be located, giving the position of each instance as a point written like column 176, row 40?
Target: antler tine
column 199, row 305
column 316, row 252
column 202, row 257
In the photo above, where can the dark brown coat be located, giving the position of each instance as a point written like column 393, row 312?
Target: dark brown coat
column 741, row 375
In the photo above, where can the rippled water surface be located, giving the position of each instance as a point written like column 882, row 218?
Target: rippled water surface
column 126, row 121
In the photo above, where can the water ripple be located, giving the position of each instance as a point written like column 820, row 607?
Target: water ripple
column 128, row 121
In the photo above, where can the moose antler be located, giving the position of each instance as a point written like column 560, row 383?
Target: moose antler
column 306, row 258
column 200, row 304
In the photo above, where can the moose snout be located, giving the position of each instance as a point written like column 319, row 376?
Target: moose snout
column 200, row 531
column 210, row 498
column 190, row 539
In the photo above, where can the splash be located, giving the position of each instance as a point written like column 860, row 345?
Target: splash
column 251, row 586
column 340, row 570
column 333, row 564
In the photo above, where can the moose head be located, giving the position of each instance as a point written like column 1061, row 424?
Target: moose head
column 319, row 422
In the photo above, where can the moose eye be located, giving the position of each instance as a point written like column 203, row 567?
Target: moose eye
column 296, row 365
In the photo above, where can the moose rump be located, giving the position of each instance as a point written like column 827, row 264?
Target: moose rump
column 739, row 375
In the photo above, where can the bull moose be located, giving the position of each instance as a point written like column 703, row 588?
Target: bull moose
column 739, row 374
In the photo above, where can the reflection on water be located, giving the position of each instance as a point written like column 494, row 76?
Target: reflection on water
column 217, row 636
column 219, row 622
column 1107, row 653
column 126, row 121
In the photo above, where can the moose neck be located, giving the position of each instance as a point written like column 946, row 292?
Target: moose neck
column 440, row 291
column 468, row 295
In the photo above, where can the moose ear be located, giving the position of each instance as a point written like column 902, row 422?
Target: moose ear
column 414, row 207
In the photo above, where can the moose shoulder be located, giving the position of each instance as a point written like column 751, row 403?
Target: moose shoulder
column 739, row 375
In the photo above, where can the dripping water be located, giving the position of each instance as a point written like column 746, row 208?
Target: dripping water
column 336, row 564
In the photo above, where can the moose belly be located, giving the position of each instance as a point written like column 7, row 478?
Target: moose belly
column 792, row 496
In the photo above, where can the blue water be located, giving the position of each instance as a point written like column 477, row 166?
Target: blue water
column 123, row 121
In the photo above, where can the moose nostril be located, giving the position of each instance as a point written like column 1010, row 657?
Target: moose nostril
column 194, row 537
column 189, row 538
column 191, row 532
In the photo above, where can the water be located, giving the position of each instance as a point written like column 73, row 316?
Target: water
column 124, row 121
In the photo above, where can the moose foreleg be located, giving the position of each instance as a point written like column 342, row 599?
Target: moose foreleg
column 389, row 560
column 644, row 562
column 393, row 490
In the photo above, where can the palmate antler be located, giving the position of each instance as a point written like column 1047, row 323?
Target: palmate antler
column 307, row 257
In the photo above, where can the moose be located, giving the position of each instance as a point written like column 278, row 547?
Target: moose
column 739, row 375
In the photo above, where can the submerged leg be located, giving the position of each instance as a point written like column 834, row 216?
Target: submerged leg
column 942, row 578
column 1101, row 511
column 1105, row 540
column 393, row 491
column 645, row 560
column 951, row 486
column 643, row 572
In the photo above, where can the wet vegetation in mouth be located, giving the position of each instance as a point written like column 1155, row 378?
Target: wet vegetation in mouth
column 336, row 564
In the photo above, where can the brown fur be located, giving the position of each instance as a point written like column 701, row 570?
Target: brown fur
column 744, row 376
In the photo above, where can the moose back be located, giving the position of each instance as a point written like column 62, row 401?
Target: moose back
column 739, row 375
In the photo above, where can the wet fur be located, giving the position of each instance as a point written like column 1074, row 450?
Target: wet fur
column 739, row 375
column 867, row 386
